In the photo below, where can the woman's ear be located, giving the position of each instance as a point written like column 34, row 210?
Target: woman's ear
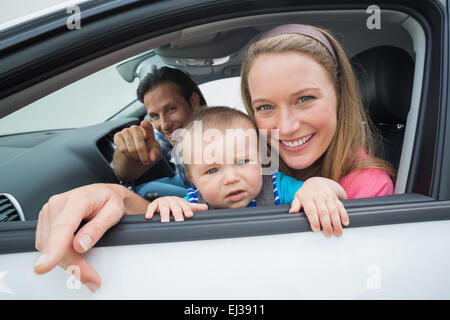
column 195, row 101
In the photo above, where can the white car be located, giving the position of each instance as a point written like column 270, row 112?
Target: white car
column 68, row 81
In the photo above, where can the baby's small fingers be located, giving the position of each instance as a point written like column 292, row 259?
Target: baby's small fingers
column 151, row 209
column 335, row 218
column 342, row 212
column 311, row 213
column 164, row 210
column 175, row 208
column 198, row 206
column 186, row 209
column 324, row 217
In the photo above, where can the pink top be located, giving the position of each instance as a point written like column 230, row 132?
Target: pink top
column 366, row 183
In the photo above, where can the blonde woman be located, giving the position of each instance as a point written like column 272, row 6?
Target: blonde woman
column 297, row 79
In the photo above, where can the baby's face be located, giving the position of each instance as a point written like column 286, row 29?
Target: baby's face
column 229, row 173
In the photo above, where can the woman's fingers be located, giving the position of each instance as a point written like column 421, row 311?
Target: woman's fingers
column 342, row 212
column 311, row 213
column 295, row 206
column 106, row 217
column 335, row 218
column 74, row 263
column 60, row 218
column 324, row 218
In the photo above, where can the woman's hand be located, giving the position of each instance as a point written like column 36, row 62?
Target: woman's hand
column 320, row 199
column 102, row 205
column 175, row 205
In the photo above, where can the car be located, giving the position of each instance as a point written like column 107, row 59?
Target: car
column 66, row 90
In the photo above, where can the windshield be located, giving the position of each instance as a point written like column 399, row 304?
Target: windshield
column 91, row 100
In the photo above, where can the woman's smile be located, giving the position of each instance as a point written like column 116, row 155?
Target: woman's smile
column 296, row 144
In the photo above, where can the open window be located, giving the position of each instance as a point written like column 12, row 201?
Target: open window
column 402, row 63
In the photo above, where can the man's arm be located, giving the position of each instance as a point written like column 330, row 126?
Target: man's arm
column 128, row 169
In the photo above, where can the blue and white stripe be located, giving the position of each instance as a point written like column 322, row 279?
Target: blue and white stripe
column 276, row 198
column 192, row 193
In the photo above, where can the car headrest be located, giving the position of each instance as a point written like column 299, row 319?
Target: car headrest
column 385, row 76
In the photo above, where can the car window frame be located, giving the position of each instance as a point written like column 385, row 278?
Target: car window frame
column 423, row 197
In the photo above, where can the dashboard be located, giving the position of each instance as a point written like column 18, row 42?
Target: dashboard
column 35, row 166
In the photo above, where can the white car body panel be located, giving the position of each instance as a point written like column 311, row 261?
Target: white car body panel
column 403, row 261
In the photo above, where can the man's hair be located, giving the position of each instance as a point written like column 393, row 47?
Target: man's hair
column 185, row 84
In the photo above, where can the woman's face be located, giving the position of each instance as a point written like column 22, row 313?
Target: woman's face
column 292, row 92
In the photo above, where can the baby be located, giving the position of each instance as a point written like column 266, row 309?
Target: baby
column 228, row 173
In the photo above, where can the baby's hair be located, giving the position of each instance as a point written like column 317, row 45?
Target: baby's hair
column 218, row 117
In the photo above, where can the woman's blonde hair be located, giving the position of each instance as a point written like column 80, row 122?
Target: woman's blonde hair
column 354, row 130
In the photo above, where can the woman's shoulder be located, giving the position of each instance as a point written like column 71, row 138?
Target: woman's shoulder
column 368, row 182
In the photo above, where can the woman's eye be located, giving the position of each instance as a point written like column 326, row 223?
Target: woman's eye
column 305, row 98
column 242, row 162
column 154, row 117
column 264, row 108
column 212, row 170
column 172, row 109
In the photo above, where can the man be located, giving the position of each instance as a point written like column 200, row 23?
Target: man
column 170, row 97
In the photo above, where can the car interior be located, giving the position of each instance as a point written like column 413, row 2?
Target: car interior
column 388, row 63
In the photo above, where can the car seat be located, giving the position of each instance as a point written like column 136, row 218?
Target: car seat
column 385, row 75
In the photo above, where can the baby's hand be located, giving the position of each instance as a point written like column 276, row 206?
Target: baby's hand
column 319, row 198
column 178, row 206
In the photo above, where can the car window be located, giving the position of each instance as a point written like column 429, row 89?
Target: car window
column 88, row 101
column 91, row 100
column 223, row 92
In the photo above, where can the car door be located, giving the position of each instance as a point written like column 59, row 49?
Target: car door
column 395, row 246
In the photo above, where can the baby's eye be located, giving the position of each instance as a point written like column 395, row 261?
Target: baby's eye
column 154, row 117
column 264, row 107
column 305, row 98
column 212, row 170
column 242, row 162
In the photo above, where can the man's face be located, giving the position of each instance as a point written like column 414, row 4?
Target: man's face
column 167, row 108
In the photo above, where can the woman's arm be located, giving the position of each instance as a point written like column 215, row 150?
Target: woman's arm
column 101, row 205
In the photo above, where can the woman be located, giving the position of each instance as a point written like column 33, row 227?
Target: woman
column 295, row 79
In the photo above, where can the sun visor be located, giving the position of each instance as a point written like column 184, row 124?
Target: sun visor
column 216, row 46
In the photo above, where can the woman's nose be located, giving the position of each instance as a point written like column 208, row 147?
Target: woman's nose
column 288, row 122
